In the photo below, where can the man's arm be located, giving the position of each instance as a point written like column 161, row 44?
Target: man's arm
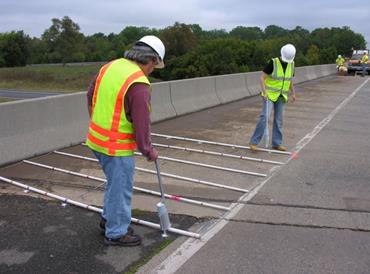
column 267, row 70
column 137, row 106
column 293, row 91
column 262, row 84
column 90, row 94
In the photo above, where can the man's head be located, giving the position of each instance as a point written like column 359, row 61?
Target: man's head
column 288, row 53
column 148, row 51
column 339, row 56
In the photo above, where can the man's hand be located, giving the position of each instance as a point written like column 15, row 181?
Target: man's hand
column 293, row 98
column 265, row 97
column 153, row 155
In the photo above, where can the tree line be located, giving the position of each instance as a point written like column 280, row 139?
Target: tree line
column 190, row 50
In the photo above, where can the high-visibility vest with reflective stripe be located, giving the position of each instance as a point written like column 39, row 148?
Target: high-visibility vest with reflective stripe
column 340, row 61
column 109, row 131
column 364, row 59
column 279, row 82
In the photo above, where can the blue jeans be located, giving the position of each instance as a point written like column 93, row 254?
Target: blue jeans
column 119, row 171
column 363, row 69
column 277, row 134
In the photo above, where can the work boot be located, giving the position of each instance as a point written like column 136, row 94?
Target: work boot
column 102, row 223
column 125, row 240
column 253, row 147
column 281, row 148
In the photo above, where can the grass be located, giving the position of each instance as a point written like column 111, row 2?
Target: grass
column 50, row 78
column 2, row 100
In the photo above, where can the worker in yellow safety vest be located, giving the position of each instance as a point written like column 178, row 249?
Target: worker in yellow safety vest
column 119, row 108
column 364, row 64
column 339, row 61
column 276, row 82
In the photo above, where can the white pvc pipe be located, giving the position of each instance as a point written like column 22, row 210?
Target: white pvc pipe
column 208, row 166
column 199, row 141
column 266, row 133
column 218, row 154
column 197, row 181
column 169, row 196
column 96, row 209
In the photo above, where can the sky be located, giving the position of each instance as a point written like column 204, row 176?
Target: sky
column 107, row 16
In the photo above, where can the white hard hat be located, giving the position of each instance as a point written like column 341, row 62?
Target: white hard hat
column 339, row 56
column 157, row 45
column 288, row 53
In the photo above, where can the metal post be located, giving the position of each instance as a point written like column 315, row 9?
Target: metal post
column 267, row 124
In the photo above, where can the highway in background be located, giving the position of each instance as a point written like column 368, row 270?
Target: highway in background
column 17, row 95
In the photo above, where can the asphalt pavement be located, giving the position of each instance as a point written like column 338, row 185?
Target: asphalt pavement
column 16, row 94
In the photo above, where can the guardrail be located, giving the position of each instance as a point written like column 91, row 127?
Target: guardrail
column 36, row 126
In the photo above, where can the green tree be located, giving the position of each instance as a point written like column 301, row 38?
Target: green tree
column 273, row 31
column 313, row 55
column 98, row 47
column 247, row 33
column 179, row 39
column 328, row 55
column 64, row 40
column 14, row 49
column 131, row 34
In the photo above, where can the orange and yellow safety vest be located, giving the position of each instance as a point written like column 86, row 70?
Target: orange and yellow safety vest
column 110, row 132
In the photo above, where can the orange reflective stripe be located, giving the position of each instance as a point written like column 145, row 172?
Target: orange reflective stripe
column 119, row 101
column 97, row 83
column 112, row 135
column 111, row 145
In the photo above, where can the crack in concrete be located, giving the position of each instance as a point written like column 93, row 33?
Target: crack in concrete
column 307, row 207
column 298, row 225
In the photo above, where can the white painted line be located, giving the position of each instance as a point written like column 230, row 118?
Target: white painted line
column 309, row 136
column 183, row 253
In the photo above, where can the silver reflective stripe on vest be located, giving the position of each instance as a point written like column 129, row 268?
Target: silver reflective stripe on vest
column 275, row 72
column 276, row 89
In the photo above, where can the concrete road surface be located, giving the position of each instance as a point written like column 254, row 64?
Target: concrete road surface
column 313, row 214
column 308, row 214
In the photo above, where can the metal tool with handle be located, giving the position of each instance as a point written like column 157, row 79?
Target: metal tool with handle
column 266, row 134
column 161, row 206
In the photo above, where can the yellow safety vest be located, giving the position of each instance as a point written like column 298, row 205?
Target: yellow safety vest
column 109, row 130
column 364, row 59
column 279, row 82
column 340, row 61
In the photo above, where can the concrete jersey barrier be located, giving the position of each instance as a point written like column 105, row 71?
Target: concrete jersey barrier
column 162, row 107
column 193, row 94
column 231, row 87
column 36, row 126
column 253, row 82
